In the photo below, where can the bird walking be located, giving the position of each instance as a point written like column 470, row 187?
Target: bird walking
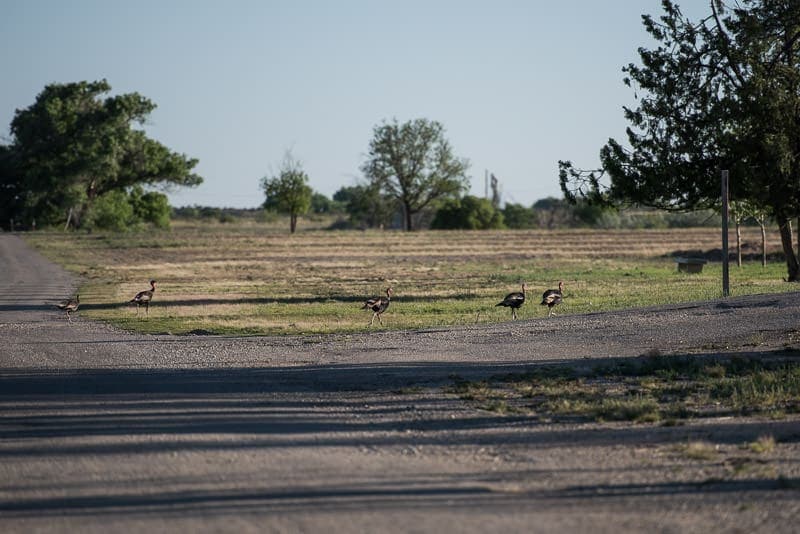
column 70, row 305
column 514, row 301
column 378, row 305
column 553, row 297
column 144, row 298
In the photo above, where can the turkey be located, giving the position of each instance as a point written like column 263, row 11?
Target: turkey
column 378, row 305
column 70, row 305
column 514, row 301
column 552, row 297
column 144, row 298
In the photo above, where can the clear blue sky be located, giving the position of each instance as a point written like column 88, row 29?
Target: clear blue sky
column 517, row 85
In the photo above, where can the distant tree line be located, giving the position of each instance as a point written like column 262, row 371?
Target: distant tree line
column 354, row 207
column 75, row 159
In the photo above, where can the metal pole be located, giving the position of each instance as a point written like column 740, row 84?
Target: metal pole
column 725, row 271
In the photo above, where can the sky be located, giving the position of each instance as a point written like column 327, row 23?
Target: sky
column 517, row 85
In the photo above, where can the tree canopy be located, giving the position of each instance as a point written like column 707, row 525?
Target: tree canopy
column 75, row 144
column 414, row 163
column 719, row 93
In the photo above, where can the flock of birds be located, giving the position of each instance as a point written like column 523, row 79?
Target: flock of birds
column 550, row 298
column 378, row 305
column 142, row 298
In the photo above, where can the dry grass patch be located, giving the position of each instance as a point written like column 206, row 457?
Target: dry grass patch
column 649, row 389
column 763, row 445
column 697, row 450
column 247, row 278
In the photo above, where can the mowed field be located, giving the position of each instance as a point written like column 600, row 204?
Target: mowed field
column 247, row 278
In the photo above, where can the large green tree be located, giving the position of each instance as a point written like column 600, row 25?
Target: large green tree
column 718, row 93
column 288, row 190
column 76, row 143
column 414, row 163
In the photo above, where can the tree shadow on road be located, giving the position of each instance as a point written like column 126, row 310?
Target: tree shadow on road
column 394, row 403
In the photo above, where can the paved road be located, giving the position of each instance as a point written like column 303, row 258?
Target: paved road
column 103, row 430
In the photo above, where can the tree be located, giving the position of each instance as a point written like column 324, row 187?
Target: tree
column 12, row 196
column 468, row 213
column 288, row 191
column 366, row 206
column 414, row 163
column 322, row 204
column 552, row 212
column 72, row 146
column 720, row 93
column 519, row 217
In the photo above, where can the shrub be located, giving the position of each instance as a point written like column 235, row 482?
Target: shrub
column 468, row 213
column 111, row 211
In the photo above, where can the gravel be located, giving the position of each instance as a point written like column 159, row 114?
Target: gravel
column 103, row 429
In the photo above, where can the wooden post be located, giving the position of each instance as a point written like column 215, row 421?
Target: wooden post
column 725, row 273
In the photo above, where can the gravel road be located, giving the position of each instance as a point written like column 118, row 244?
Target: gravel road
column 103, row 430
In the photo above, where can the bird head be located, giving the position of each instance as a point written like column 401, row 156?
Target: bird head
column 561, row 286
column 389, row 291
column 152, row 283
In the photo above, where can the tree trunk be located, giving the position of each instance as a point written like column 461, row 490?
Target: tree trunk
column 761, row 223
column 292, row 222
column 798, row 234
column 407, row 210
column 792, row 267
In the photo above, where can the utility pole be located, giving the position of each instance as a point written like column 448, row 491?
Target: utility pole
column 725, row 272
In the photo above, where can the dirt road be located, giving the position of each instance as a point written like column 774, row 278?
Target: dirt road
column 101, row 430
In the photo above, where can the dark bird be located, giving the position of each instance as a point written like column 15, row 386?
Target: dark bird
column 514, row 301
column 378, row 305
column 552, row 297
column 70, row 305
column 144, row 298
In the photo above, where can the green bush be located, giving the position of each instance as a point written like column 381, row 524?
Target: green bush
column 468, row 213
column 151, row 207
column 112, row 211
column 519, row 217
column 120, row 211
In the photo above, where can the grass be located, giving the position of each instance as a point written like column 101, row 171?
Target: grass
column 249, row 278
column 763, row 445
column 697, row 450
column 666, row 389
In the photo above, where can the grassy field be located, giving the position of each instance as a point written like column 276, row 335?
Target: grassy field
column 249, row 278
